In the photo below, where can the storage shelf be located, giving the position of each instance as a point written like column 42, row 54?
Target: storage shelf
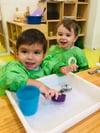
column 81, row 35
column 57, row 20
column 1, row 34
column 11, row 50
column 64, row 9
column 82, row 3
column 81, row 19
column 51, row 38
column 14, row 42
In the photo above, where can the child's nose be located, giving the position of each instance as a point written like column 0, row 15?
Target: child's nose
column 30, row 56
column 63, row 37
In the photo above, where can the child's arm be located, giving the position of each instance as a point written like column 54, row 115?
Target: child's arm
column 51, row 64
column 66, row 69
column 47, row 92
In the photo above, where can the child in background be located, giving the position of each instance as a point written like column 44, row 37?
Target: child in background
column 31, row 49
column 66, row 52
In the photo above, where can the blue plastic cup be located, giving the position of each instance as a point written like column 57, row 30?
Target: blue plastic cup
column 28, row 98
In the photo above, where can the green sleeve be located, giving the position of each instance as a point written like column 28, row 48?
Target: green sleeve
column 82, row 61
column 51, row 64
column 52, row 49
column 12, row 77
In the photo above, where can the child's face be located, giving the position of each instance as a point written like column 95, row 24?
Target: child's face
column 65, row 38
column 30, row 56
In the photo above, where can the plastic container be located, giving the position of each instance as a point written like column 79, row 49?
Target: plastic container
column 28, row 98
column 34, row 19
column 53, row 117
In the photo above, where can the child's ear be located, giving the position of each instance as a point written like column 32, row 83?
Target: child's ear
column 44, row 56
column 16, row 54
column 75, row 38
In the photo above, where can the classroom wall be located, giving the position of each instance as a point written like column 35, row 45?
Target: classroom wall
column 92, row 40
column 9, row 7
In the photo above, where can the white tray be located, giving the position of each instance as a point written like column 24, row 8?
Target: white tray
column 52, row 117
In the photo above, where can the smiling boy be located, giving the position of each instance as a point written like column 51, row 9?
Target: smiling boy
column 65, row 51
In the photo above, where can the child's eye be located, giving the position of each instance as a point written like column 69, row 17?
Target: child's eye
column 59, row 34
column 68, row 35
column 24, row 51
column 37, row 52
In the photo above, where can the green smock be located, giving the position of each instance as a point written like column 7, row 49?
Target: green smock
column 14, row 75
column 70, row 56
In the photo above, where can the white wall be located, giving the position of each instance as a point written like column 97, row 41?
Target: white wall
column 96, row 37
column 93, row 32
column 9, row 7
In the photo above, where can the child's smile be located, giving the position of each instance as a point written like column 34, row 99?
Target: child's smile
column 65, row 38
column 63, row 42
column 29, row 64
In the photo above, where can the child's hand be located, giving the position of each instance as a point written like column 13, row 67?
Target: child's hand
column 47, row 92
column 66, row 69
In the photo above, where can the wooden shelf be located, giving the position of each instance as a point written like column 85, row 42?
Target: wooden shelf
column 81, row 19
column 74, row 9
column 83, row 3
column 1, row 28
column 2, row 36
column 11, row 50
column 57, row 20
column 80, row 35
column 52, row 38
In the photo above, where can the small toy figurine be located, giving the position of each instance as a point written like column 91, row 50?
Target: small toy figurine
column 62, row 97
column 95, row 71
column 65, row 88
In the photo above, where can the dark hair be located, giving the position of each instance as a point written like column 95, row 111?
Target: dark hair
column 30, row 37
column 70, row 23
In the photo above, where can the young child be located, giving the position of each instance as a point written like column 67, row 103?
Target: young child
column 66, row 52
column 31, row 49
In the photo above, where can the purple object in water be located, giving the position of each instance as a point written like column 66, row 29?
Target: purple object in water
column 61, row 98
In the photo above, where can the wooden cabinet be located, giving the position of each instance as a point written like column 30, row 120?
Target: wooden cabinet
column 2, row 39
column 57, row 10
column 15, row 28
